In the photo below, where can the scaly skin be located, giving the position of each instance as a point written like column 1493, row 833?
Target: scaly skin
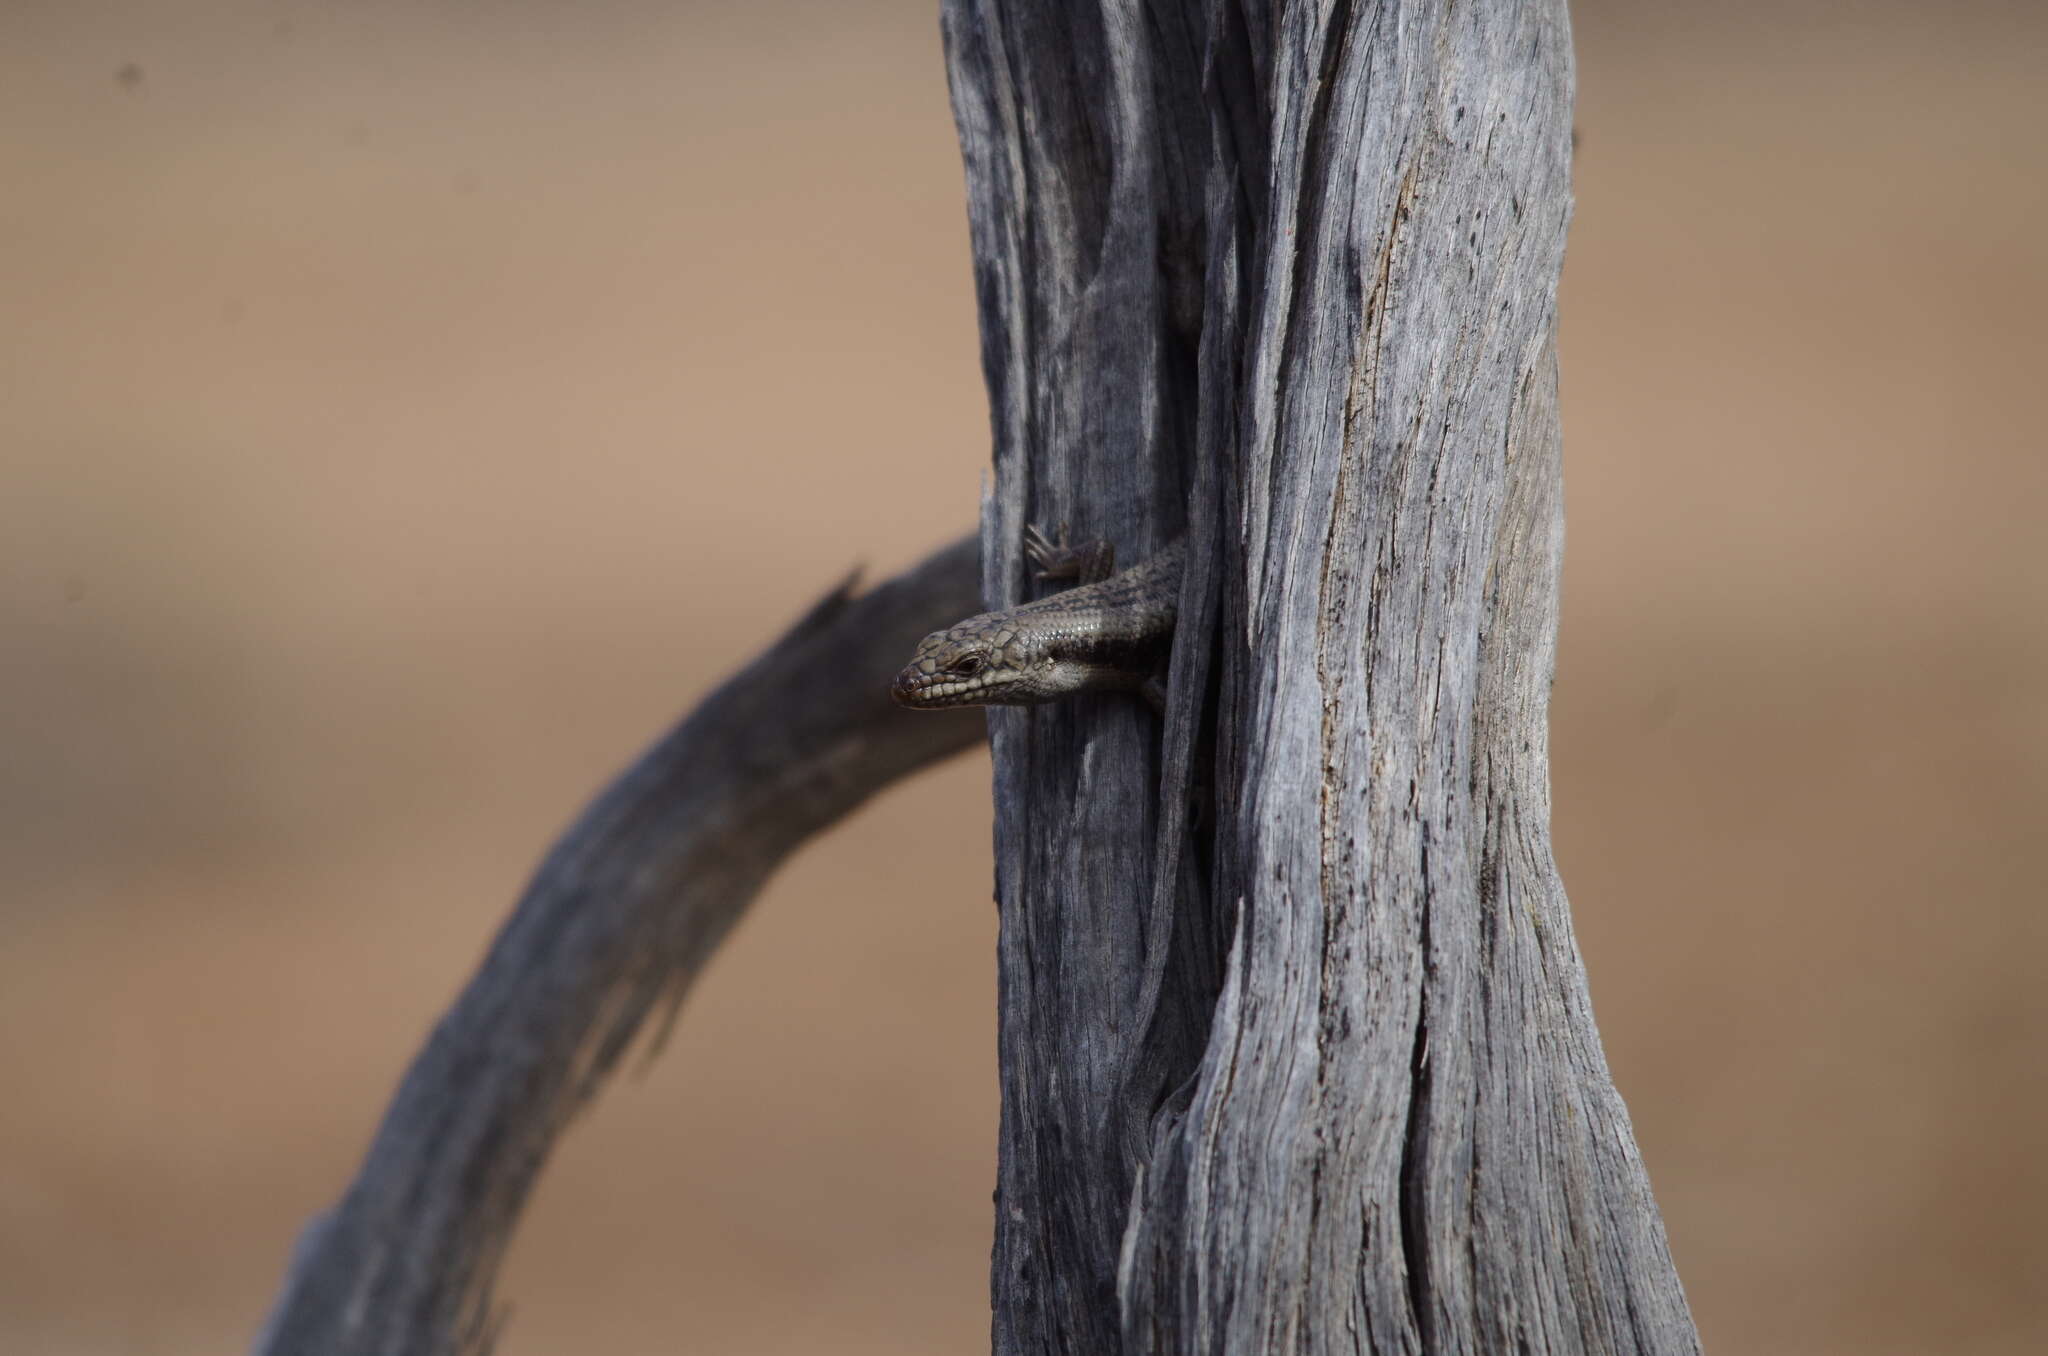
column 1110, row 636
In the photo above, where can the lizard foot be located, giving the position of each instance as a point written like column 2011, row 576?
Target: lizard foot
column 1088, row 563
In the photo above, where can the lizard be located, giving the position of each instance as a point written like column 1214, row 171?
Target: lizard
column 1111, row 633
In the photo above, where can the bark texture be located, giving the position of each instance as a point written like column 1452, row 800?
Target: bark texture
column 1297, row 1053
column 614, row 927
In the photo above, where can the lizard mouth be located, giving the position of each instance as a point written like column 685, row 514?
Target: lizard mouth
column 915, row 688
column 926, row 691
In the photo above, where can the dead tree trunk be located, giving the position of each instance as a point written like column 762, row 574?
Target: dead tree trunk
column 1311, row 1068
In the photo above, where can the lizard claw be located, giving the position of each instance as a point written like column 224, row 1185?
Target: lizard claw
column 1044, row 552
column 1086, row 564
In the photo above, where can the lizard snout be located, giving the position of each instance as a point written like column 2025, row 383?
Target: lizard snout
column 906, row 687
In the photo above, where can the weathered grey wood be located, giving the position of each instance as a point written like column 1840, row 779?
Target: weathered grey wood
column 1283, row 276
column 616, row 924
column 1086, row 229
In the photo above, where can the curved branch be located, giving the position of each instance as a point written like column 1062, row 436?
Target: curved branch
column 616, row 923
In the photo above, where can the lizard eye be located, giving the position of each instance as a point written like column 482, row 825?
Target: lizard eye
column 967, row 665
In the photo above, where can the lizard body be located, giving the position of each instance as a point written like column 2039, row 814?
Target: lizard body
column 1111, row 634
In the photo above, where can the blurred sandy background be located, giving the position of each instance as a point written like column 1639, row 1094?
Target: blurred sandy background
column 406, row 409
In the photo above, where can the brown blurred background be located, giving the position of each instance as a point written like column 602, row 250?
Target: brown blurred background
column 406, row 409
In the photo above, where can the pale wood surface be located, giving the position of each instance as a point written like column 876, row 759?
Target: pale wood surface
column 1325, row 1078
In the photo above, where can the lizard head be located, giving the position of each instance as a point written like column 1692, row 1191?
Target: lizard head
column 984, row 661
